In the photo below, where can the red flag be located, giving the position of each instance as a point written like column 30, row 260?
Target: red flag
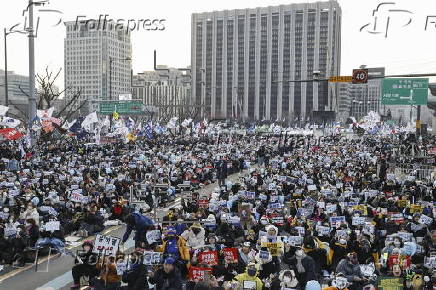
column 11, row 133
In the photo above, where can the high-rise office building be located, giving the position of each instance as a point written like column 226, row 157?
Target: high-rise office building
column 18, row 91
column 97, row 61
column 243, row 60
column 169, row 94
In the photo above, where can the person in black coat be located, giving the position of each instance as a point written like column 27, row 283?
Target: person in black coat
column 136, row 276
column 302, row 264
column 166, row 278
column 221, row 171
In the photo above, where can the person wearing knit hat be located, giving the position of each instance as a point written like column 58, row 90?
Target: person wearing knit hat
column 194, row 236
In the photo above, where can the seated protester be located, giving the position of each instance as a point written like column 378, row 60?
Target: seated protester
column 194, row 236
column 136, row 275
column 116, row 211
column 31, row 234
column 6, row 253
column 167, row 277
column 338, row 250
column 212, row 242
column 175, row 247
column 92, row 222
column 52, row 238
column 267, row 267
column 30, row 213
column 350, row 268
column 225, row 233
column 109, row 278
column 141, row 224
column 274, row 244
column 85, row 264
column 285, row 280
column 249, row 279
column 246, row 255
column 311, row 247
column 302, row 264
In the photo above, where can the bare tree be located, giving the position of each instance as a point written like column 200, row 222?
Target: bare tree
column 47, row 95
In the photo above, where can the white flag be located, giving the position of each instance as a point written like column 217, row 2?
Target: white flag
column 67, row 125
column 90, row 119
column 3, row 110
column 172, row 123
column 10, row 122
column 106, row 122
column 45, row 113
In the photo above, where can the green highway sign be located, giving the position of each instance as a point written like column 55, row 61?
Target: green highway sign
column 405, row 91
column 121, row 107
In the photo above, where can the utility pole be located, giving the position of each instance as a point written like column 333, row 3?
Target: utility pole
column 32, row 98
column 6, row 70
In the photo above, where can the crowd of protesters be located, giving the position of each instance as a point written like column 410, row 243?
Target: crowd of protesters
column 306, row 212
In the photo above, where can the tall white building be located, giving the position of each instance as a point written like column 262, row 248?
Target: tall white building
column 98, row 61
column 243, row 60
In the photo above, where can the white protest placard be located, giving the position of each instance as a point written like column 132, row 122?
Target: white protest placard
column 52, row 226
column 321, row 204
column 358, row 220
column 77, row 197
column 295, row 240
column 45, row 181
column 311, row 187
column 331, row 208
column 106, row 245
column 337, row 220
column 74, row 186
column 9, row 231
column 121, row 268
column 425, row 220
column 153, row 236
column 301, row 231
column 323, row 231
column 152, row 258
column 13, row 193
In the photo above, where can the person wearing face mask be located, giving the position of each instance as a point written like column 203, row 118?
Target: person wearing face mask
column 338, row 250
column 286, row 280
column 194, row 236
column 350, row 267
column 249, row 279
column 302, row 265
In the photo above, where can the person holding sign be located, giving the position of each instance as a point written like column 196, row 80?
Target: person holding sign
column 249, row 279
column 302, row 264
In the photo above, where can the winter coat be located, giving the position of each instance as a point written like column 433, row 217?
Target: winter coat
column 194, row 240
column 350, row 270
column 142, row 224
column 167, row 281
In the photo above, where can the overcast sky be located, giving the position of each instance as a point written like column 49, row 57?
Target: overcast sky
column 408, row 49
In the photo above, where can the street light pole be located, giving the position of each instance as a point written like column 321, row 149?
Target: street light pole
column 6, row 70
column 110, row 77
column 32, row 98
